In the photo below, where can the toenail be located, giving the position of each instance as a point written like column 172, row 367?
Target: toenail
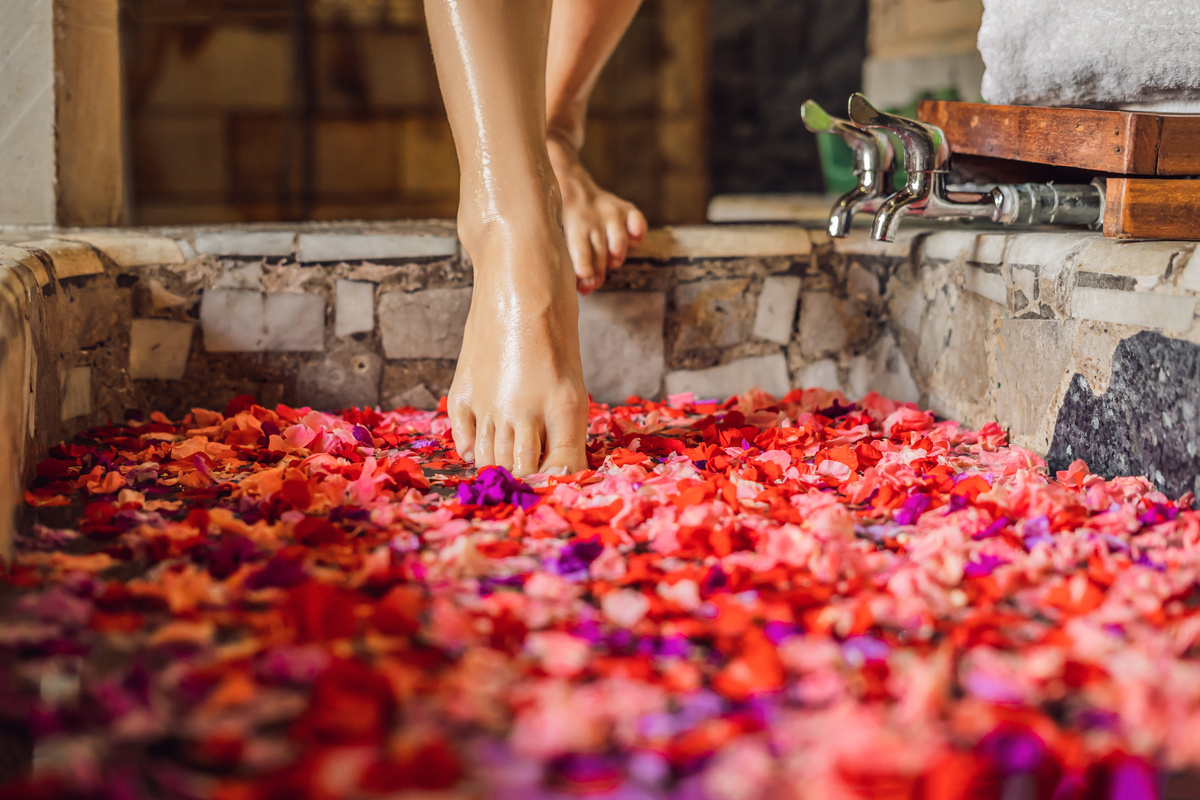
column 469, row 456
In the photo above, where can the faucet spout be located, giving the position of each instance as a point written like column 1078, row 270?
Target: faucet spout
column 913, row 198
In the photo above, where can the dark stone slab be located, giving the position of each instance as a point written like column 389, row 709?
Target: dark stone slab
column 1147, row 423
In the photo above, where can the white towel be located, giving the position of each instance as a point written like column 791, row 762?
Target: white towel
column 1091, row 53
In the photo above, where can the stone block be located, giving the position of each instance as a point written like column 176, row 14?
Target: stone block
column 821, row 374
column 1168, row 312
column 883, row 369
column 242, row 276
column 232, row 321
column 355, row 308
column 407, row 382
column 70, row 259
column 862, row 285
column 418, row 396
column 1049, row 249
column 348, row 375
column 768, row 373
column 130, row 249
column 1031, row 368
column 621, row 344
column 294, row 321
column 712, row 313
column 159, row 348
column 1137, row 265
column 1190, row 277
column 822, row 323
column 949, row 245
column 990, row 248
column 726, row 241
column 236, row 320
column 245, row 243
column 423, row 324
column 75, row 389
column 316, row 247
column 776, row 315
column 986, row 284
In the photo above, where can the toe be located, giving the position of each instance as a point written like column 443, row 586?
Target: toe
column 635, row 223
column 580, row 248
column 566, row 436
column 485, row 444
column 527, row 451
column 599, row 256
column 462, row 427
column 618, row 243
column 502, row 450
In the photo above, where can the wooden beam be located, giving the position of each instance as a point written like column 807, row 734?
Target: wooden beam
column 88, row 113
column 1150, row 208
column 1114, row 142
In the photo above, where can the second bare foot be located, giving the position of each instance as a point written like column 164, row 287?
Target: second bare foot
column 600, row 227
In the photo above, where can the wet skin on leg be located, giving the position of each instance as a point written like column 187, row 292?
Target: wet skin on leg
column 518, row 398
column 600, row 226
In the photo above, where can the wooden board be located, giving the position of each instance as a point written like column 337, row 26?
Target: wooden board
column 1113, row 142
column 1152, row 208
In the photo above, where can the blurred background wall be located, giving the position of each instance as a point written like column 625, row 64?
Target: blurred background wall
column 257, row 110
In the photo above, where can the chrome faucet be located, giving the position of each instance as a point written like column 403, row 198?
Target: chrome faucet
column 927, row 195
column 874, row 160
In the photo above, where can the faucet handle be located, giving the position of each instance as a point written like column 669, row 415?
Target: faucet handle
column 873, row 152
column 925, row 145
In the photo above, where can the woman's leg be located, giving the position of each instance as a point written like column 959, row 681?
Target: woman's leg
column 599, row 225
column 518, row 398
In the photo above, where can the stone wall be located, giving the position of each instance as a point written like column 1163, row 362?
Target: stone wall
column 243, row 112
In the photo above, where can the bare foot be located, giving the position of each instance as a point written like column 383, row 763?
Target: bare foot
column 599, row 226
column 518, row 397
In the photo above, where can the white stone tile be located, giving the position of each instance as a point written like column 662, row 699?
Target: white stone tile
column 949, row 245
column 373, row 246
column 70, row 259
column 821, row 374
column 621, row 344
column 822, row 328
column 245, row 243
column 989, row 248
column 242, row 276
column 1045, row 249
column 75, row 385
column 862, row 285
column 232, row 321
column 768, row 373
column 776, row 314
column 883, row 369
column 424, row 324
column 1145, row 262
column 158, row 349
column 131, row 249
column 1190, row 277
column 1168, row 312
column 723, row 241
column 355, row 311
column 294, row 321
column 986, row 284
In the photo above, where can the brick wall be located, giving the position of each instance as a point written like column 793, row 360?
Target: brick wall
column 251, row 111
